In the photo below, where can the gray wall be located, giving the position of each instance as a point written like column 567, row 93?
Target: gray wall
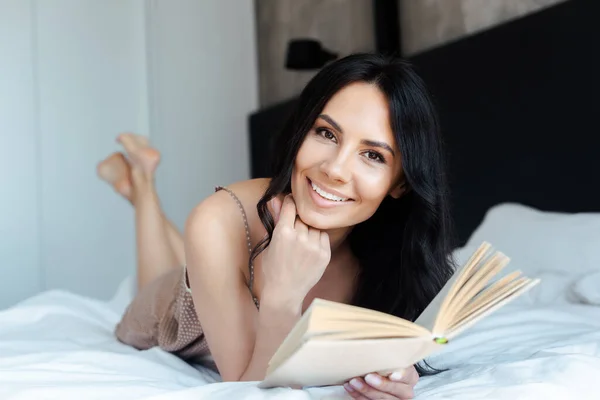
column 73, row 74
column 346, row 26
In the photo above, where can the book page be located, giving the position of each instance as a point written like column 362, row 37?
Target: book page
column 477, row 283
column 329, row 310
column 498, row 303
column 325, row 318
column 375, row 332
column 428, row 317
column 321, row 363
column 489, row 294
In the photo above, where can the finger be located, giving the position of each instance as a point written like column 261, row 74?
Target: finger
column 353, row 392
column 287, row 216
column 369, row 391
column 412, row 376
column 324, row 237
column 382, row 384
column 409, row 375
column 276, row 204
column 301, row 228
column 314, row 235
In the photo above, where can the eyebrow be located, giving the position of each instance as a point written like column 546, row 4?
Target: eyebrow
column 332, row 122
column 372, row 143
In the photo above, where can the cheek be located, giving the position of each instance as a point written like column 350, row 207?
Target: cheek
column 301, row 163
column 373, row 187
column 310, row 155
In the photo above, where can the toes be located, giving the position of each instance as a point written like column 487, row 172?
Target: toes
column 132, row 140
column 128, row 141
column 141, row 155
column 140, row 140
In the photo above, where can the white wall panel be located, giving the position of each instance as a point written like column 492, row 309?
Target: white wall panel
column 20, row 274
column 92, row 85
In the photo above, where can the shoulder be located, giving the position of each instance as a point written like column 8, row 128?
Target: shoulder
column 221, row 206
column 219, row 215
column 250, row 191
column 215, row 237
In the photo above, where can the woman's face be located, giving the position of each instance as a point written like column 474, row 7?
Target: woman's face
column 349, row 160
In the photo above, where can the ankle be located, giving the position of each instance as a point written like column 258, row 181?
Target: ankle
column 143, row 193
column 141, row 181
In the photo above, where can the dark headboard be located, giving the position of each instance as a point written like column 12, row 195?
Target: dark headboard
column 519, row 112
column 519, row 107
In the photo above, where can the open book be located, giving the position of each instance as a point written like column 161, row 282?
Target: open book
column 334, row 342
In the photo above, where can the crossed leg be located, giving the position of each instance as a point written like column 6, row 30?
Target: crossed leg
column 159, row 244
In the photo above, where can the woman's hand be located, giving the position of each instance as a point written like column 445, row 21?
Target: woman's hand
column 398, row 385
column 296, row 258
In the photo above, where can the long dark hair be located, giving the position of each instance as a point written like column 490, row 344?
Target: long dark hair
column 404, row 249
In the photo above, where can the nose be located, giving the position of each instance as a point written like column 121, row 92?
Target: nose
column 338, row 168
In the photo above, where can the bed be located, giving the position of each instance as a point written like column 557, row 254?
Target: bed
column 533, row 193
column 545, row 345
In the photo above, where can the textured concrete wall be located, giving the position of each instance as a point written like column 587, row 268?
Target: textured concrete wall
column 430, row 23
column 343, row 26
column 346, row 26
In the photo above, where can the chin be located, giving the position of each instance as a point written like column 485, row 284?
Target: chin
column 316, row 212
column 322, row 219
column 318, row 221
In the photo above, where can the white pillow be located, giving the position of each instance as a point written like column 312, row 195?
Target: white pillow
column 562, row 242
column 560, row 248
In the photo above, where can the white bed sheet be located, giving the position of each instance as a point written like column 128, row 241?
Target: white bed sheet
column 545, row 345
column 60, row 346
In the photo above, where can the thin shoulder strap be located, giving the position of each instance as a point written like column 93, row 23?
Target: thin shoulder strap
column 249, row 243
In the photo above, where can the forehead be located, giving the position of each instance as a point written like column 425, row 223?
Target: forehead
column 361, row 108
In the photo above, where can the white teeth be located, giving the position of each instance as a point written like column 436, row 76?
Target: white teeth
column 326, row 195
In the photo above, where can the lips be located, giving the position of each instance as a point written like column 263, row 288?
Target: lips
column 327, row 194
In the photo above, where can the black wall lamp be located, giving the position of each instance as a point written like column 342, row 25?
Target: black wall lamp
column 307, row 54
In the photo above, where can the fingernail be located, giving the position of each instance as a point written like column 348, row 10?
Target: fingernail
column 373, row 379
column 348, row 388
column 356, row 383
column 396, row 376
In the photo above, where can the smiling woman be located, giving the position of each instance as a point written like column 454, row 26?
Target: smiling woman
column 346, row 165
column 365, row 129
column 355, row 212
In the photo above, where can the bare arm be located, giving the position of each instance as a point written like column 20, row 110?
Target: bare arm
column 274, row 323
column 241, row 339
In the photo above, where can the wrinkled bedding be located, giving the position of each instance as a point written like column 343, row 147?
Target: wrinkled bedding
column 545, row 345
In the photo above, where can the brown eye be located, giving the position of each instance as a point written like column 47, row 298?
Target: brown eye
column 326, row 134
column 375, row 156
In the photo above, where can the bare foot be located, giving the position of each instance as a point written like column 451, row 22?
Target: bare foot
column 116, row 171
column 142, row 157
